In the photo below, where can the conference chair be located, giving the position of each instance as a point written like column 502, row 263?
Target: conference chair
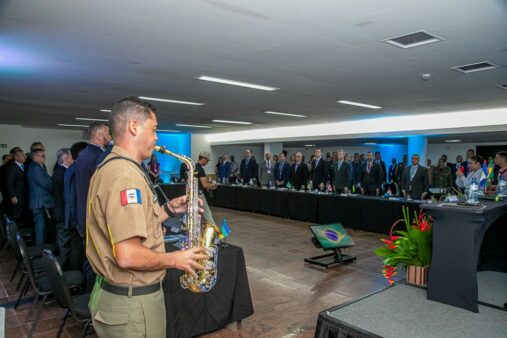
column 40, row 283
column 76, row 307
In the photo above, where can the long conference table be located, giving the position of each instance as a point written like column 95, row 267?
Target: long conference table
column 368, row 213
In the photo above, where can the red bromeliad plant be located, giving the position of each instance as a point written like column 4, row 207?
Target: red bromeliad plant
column 410, row 247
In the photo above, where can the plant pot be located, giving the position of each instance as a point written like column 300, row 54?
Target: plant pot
column 417, row 275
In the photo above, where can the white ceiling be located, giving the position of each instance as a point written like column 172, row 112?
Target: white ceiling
column 61, row 59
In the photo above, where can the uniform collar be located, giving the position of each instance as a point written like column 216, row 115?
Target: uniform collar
column 117, row 150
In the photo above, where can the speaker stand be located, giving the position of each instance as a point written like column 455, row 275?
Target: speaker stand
column 331, row 259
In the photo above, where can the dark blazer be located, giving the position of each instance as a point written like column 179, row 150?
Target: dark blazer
column 320, row 173
column 357, row 173
column 86, row 164
column 183, row 172
column 373, row 179
column 248, row 172
column 15, row 182
column 282, row 172
column 69, row 196
column 383, row 177
column 41, row 187
column 341, row 178
column 300, row 176
column 58, row 193
column 420, row 182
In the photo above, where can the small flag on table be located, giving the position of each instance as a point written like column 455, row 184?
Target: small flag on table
column 225, row 231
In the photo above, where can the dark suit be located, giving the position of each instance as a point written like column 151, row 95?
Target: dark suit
column 17, row 186
column 299, row 176
column 248, row 170
column 282, row 173
column 320, row 173
column 75, row 256
column 372, row 180
column 419, row 183
column 383, row 177
column 40, row 200
column 62, row 233
column 6, row 202
column 341, row 176
column 86, row 164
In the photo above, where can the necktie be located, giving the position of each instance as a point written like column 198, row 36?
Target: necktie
column 339, row 164
column 297, row 165
column 247, row 160
column 268, row 164
column 369, row 167
column 412, row 172
column 22, row 167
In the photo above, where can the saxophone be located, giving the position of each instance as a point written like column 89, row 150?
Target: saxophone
column 200, row 234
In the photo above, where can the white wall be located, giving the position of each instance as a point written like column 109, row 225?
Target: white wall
column 53, row 139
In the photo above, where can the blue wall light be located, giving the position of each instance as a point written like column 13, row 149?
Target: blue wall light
column 178, row 143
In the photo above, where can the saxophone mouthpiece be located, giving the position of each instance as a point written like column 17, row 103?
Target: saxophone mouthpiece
column 160, row 149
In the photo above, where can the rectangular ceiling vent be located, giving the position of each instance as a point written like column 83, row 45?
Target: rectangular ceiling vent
column 474, row 67
column 413, row 40
column 502, row 86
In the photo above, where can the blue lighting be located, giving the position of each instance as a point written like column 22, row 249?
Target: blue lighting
column 178, row 143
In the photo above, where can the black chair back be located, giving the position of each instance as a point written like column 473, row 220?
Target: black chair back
column 54, row 272
column 3, row 231
column 12, row 232
column 27, row 262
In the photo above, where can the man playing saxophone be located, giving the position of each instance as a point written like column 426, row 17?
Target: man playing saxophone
column 124, row 238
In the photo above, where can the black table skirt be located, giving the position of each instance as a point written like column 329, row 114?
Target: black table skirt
column 190, row 314
column 457, row 239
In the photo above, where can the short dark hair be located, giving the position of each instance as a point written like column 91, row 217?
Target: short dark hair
column 477, row 158
column 5, row 156
column 472, row 150
column 127, row 109
column 94, row 128
column 502, row 154
column 13, row 150
column 36, row 145
column 76, row 148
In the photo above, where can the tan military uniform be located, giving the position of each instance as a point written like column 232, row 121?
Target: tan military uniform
column 121, row 205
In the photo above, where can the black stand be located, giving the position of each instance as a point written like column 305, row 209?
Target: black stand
column 331, row 259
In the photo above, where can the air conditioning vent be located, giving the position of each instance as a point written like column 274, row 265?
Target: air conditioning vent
column 413, row 40
column 474, row 67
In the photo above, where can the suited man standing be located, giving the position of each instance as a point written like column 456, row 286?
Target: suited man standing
column 266, row 171
column 415, row 181
column 247, row 168
column 378, row 160
column 282, row 172
column 372, row 176
column 341, row 174
column 17, row 187
column 299, row 173
column 319, row 171
column 64, row 161
column 41, row 197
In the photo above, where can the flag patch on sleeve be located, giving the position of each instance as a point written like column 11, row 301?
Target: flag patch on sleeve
column 130, row 196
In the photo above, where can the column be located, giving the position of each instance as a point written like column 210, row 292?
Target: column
column 274, row 148
column 418, row 145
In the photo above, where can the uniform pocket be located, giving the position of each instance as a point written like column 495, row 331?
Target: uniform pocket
column 157, row 227
column 111, row 318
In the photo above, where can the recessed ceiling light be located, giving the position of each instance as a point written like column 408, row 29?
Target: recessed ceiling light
column 413, row 40
column 72, row 125
column 168, row 131
column 90, row 119
column 191, row 125
column 370, row 143
column 105, row 110
column 452, row 141
column 474, row 67
column 284, row 114
column 309, row 145
column 171, row 101
column 236, row 83
column 231, row 122
column 352, row 103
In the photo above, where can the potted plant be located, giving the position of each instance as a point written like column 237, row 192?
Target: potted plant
column 410, row 248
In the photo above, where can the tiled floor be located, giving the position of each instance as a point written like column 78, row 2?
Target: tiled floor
column 287, row 293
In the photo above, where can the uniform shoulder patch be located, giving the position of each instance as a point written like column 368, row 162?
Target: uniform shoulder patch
column 130, row 196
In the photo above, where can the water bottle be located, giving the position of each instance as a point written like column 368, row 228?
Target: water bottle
column 473, row 196
column 501, row 188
